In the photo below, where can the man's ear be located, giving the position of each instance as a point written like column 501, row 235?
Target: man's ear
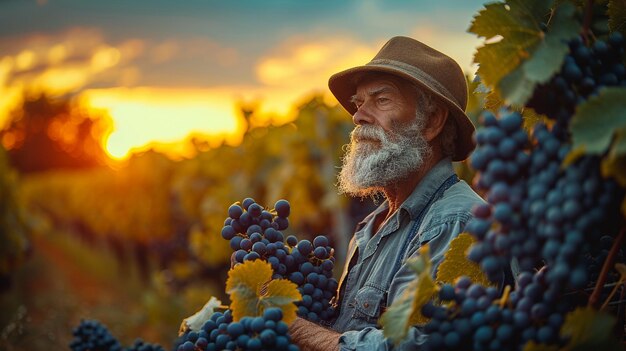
column 435, row 123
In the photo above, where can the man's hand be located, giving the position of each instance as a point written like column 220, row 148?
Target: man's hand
column 312, row 337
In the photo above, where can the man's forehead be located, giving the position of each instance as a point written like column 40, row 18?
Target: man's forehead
column 374, row 82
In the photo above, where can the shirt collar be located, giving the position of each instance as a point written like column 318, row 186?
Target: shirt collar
column 422, row 192
column 427, row 187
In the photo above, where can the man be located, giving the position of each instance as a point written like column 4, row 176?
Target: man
column 408, row 106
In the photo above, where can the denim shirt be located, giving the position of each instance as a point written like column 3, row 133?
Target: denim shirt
column 378, row 274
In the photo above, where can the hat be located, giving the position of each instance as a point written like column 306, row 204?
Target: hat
column 423, row 66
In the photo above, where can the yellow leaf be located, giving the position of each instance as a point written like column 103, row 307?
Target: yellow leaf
column 621, row 268
column 589, row 329
column 573, row 156
column 405, row 311
column 425, row 292
column 455, row 263
column 244, row 285
column 282, row 293
column 252, row 290
column 532, row 346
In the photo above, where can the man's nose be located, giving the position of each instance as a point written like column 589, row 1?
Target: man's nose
column 362, row 116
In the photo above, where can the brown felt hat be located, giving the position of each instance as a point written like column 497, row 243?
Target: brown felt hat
column 423, row 66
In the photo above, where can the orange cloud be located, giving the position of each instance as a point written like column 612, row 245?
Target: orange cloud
column 306, row 65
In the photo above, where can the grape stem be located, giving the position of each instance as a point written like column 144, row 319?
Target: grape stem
column 617, row 244
column 587, row 21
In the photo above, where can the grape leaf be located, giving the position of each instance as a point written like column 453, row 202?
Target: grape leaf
column 405, row 311
column 525, row 55
column 252, row 290
column 617, row 15
column 196, row 321
column 621, row 269
column 614, row 165
column 455, row 263
column 589, row 329
column 244, row 285
column 532, row 346
column 282, row 293
column 493, row 101
column 531, row 118
column 597, row 119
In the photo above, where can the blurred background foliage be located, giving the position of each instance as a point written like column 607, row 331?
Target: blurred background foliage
column 136, row 244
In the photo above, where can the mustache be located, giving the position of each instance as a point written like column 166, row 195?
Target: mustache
column 368, row 132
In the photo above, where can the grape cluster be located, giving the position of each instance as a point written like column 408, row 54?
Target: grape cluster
column 503, row 159
column 467, row 323
column 579, row 209
column 539, row 307
column 91, row 335
column 221, row 332
column 543, row 215
column 479, row 320
column 545, row 169
column 501, row 155
column 256, row 233
column 584, row 72
column 537, row 212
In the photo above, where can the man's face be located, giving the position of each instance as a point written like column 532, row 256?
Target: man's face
column 387, row 144
column 383, row 100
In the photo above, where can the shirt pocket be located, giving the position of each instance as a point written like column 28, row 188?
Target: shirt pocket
column 368, row 303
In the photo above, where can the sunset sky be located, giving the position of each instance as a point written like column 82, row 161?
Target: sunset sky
column 165, row 69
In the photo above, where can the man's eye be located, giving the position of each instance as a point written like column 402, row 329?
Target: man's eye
column 382, row 100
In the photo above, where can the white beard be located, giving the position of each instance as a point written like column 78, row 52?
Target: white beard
column 376, row 159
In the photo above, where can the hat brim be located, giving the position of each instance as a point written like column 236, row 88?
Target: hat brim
column 343, row 85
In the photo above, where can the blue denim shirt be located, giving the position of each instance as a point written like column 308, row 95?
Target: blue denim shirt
column 376, row 279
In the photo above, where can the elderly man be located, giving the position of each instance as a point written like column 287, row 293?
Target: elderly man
column 408, row 106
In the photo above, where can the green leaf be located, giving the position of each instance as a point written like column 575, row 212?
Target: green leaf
column 545, row 60
column 596, row 120
column 526, row 55
column 517, row 25
column 617, row 15
column 455, row 263
column 406, row 310
column 589, row 329
column 511, row 18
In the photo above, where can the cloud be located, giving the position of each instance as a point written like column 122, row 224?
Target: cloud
column 79, row 58
column 307, row 64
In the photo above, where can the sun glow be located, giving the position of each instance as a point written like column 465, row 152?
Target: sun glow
column 164, row 119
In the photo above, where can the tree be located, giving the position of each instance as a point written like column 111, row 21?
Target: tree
column 47, row 133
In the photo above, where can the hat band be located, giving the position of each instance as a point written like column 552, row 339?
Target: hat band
column 416, row 72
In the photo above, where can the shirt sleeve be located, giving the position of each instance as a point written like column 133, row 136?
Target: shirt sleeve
column 370, row 338
column 373, row 339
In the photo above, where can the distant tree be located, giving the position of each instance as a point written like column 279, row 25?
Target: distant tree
column 47, row 133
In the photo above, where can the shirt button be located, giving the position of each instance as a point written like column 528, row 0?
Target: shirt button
column 366, row 305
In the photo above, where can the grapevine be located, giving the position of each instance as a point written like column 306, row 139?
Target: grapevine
column 553, row 213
